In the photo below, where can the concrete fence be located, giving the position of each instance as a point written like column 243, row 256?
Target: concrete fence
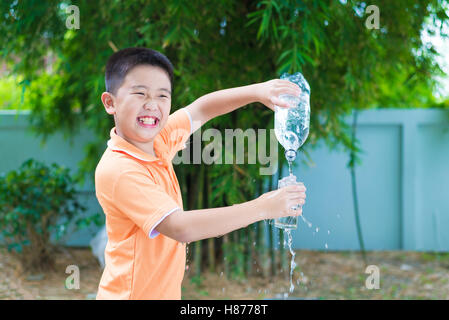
column 402, row 186
column 402, row 183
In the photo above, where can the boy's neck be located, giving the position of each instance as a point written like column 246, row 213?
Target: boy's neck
column 147, row 147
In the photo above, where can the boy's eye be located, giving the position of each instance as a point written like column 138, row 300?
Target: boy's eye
column 141, row 93
column 163, row 96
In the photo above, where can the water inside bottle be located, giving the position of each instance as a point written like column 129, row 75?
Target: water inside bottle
column 291, row 125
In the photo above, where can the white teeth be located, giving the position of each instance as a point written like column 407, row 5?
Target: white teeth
column 149, row 121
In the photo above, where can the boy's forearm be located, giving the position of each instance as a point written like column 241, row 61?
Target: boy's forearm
column 224, row 101
column 188, row 226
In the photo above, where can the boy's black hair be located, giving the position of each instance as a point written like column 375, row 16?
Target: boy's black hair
column 121, row 62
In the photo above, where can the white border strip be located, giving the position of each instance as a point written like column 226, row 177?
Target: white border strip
column 154, row 233
column 110, row 146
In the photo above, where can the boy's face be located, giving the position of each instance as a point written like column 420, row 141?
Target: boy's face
column 141, row 105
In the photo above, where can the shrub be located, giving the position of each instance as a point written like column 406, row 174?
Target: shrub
column 34, row 200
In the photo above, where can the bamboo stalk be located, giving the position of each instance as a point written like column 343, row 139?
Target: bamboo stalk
column 225, row 249
column 206, row 204
column 271, row 237
column 198, row 244
column 251, row 251
column 354, row 189
column 272, row 250
column 243, row 249
column 282, row 252
column 257, row 251
column 283, row 259
column 238, row 254
column 197, row 258
column 262, row 252
column 211, row 254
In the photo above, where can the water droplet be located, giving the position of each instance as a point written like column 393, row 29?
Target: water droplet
column 325, row 245
column 221, row 274
column 317, row 229
column 328, row 232
column 309, row 224
column 292, row 287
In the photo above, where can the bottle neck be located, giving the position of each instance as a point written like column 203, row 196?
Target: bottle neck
column 290, row 155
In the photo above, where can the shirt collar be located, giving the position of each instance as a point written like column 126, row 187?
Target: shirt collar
column 117, row 143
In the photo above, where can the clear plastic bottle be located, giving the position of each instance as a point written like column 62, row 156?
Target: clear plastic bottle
column 290, row 222
column 291, row 125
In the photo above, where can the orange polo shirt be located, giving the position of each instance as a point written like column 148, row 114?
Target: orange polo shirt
column 137, row 191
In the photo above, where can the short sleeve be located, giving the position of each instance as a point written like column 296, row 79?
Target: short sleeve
column 143, row 201
column 177, row 131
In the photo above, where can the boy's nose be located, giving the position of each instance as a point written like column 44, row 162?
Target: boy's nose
column 150, row 105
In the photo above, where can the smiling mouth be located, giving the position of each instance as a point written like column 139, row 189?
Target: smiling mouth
column 148, row 121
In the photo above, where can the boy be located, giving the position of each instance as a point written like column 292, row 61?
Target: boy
column 137, row 187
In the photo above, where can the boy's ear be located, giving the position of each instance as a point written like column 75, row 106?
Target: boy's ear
column 108, row 102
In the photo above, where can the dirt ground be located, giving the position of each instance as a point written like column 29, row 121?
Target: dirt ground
column 318, row 275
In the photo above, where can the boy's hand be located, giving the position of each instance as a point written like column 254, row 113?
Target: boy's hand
column 268, row 92
column 279, row 203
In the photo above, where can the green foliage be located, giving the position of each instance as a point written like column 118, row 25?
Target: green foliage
column 84, row 222
column 36, row 201
column 11, row 94
column 347, row 65
column 235, row 256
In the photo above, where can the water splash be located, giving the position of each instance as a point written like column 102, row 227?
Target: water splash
column 292, row 262
column 290, row 171
column 309, row 224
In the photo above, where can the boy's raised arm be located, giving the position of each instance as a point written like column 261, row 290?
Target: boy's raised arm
column 224, row 101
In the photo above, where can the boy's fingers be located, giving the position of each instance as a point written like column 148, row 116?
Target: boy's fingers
column 299, row 197
column 287, row 83
column 296, row 91
column 278, row 102
column 297, row 201
column 295, row 212
column 296, row 188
